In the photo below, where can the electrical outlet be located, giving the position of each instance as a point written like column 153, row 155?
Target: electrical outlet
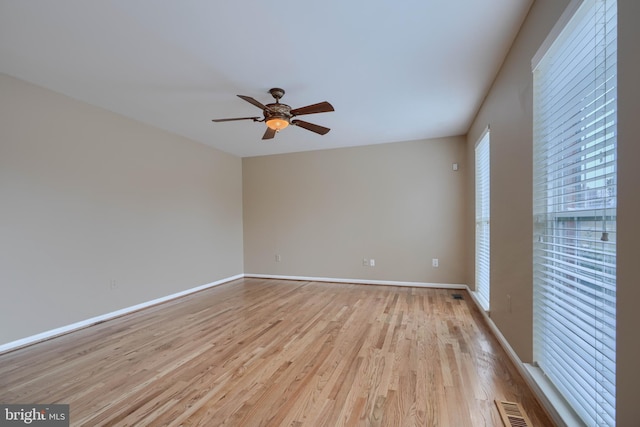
column 365, row 262
column 372, row 262
column 113, row 285
column 278, row 258
column 434, row 262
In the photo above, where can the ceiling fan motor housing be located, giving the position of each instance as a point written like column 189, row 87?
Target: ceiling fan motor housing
column 278, row 110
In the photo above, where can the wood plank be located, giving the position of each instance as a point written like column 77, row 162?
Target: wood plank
column 259, row 352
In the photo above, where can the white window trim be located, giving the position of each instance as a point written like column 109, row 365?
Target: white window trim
column 555, row 32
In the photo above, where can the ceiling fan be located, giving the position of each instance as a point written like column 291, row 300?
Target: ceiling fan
column 278, row 116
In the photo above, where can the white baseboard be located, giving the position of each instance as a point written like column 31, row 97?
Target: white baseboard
column 360, row 281
column 92, row 321
column 549, row 396
column 559, row 411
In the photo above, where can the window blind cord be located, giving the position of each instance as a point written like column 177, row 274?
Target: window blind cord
column 605, row 235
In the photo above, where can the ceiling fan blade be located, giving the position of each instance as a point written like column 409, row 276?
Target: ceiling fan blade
column 254, row 102
column 310, row 126
column 320, row 107
column 269, row 133
column 255, row 119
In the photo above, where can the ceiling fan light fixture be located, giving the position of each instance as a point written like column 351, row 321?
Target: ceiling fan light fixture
column 277, row 123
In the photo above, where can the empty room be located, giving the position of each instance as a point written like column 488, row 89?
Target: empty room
column 319, row 213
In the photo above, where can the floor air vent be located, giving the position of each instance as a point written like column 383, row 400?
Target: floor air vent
column 512, row 414
column 457, row 296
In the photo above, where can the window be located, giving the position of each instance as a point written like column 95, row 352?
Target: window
column 482, row 220
column 574, row 260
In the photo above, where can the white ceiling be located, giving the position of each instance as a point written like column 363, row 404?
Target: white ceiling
column 394, row 70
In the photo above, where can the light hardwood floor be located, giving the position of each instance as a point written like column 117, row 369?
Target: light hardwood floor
column 258, row 352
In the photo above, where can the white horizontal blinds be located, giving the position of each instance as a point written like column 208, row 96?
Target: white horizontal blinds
column 575, row 142
column 483, row 262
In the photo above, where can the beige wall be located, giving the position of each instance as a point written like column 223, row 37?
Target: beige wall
column 508, row 111
column 324, row 211
column 88, row 197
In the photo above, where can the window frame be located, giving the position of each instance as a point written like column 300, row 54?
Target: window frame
column 482, row 275
column 575, row 218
